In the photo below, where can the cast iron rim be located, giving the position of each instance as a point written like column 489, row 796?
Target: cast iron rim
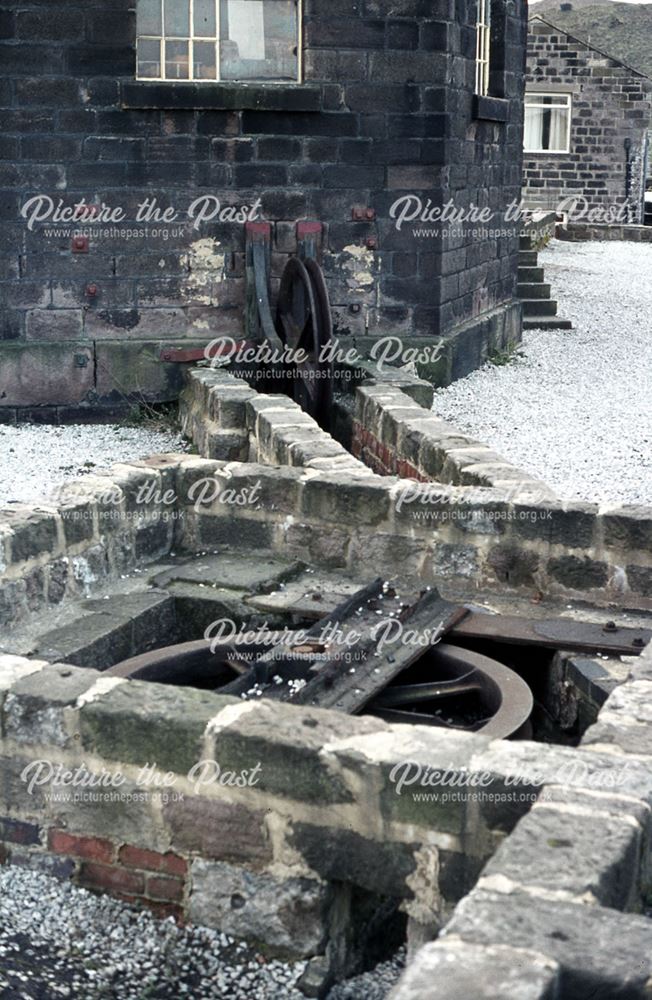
column 507, row 697
column 303, row 322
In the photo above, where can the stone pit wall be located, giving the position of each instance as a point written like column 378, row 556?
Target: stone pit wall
column 276, row 860
column 326, row 506
column 325, row 780
column 476, row 518
column 545, row 919
column 322, row 781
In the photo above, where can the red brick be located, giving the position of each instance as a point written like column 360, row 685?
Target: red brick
column 136, row 857
column 159, row 887
column 112, row 879
column 91, row 848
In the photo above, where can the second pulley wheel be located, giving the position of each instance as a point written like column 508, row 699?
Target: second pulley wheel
column 304, row 324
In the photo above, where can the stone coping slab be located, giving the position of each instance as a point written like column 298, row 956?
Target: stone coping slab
column 105, row 526
column 557, row 883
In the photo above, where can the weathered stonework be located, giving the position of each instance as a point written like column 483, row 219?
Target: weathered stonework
column 440, row 506
column 610, row 104
column 386, row 110
column 565, row 832
column 554, row 888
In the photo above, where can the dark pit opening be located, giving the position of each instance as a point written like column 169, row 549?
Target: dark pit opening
column 554, row 680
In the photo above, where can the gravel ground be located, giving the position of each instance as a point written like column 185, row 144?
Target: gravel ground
column 576, row 409
column 59, row 941
column 36, row 458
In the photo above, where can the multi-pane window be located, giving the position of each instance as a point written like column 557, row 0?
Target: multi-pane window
column 547, row 123
column 218, row 39
column 483, row 48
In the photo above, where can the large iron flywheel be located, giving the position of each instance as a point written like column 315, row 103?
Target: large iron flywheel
column 304, row 325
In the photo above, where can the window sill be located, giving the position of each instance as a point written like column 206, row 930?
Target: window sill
column 164, row 94
column 491, row 109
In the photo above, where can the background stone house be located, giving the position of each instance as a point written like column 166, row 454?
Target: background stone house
column 314, row 110
column 587, row 118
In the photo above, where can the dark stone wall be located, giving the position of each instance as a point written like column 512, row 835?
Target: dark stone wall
column 388, row 110
column 609, row 104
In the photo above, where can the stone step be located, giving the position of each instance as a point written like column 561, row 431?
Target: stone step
column 533, row 290
column 528, row 258
column 525, row 242
column 539, row 307
column 546, row 323
column 530, row 274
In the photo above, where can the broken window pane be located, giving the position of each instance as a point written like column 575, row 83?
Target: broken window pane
column 258, row 40
column 177, row 64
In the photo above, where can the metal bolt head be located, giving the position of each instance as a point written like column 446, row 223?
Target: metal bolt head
column 610, row 627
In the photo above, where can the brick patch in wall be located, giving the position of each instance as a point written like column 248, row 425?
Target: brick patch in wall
column 157, row 881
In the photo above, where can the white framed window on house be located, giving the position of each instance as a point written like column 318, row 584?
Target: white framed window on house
column 483, row 48
column 547, row 123
column 204, row 40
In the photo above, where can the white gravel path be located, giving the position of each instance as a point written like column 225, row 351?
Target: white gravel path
column 60, row 941
column 36, row 458
column 576, row 409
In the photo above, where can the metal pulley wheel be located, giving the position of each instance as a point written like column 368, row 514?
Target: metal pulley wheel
column 503, row 701
column 304, row 325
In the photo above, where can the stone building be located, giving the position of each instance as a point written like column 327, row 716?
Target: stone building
column 136, row 144
column 587, row 118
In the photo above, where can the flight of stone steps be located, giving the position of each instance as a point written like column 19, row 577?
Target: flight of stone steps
column 539, row 309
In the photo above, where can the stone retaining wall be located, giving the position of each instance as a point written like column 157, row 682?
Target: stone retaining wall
column 99, row 527
column 318, row 809
column 335, row 515
column 476, row 517
column 543, row 920
column 334, row 518
column 578, row 231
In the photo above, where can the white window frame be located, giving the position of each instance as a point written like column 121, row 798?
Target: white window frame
column 191, row 78
column 483, row 48
column 561, row 101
